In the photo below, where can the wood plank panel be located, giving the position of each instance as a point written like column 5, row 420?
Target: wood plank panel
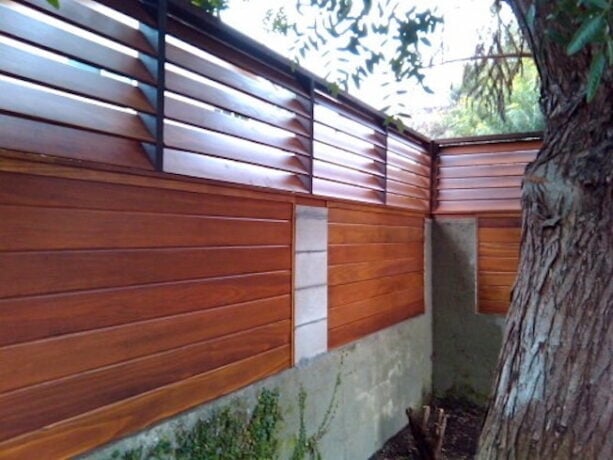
column 28, row 190
column 496, row 293
column 196, row 165
column 482, row 171
column 335, row 118
column 201, row 117
column 237, row 79
column 501, row 193
column 496, row 278
column 345, row 191
column 480, row 182
column 355, row 311
column 76, row 435
column 59, row 271
column 491, row 147
column 340, row 157
column 344, row 141
column 476, row 206
column 50, row 359
column 499, row 235
column 71, row 396
column 232, row 148
column 496, row 307
column 408, row 177
column 56, row 108
column 343, row 215
column 409, row 165
column 401, row 188
column 335, row 173
column 351, row 253
column 233, row 101
column 38, row 228
column 56, row 39
column 27, row 66
column 504, row 249
column 350, row 273
column 409, row 150
column 519, row 156
column 355, row 234
column 82, row 15
column 31, row 318
column 357, row 329
column 353, row 292
column 499, row 264
column 60, row 141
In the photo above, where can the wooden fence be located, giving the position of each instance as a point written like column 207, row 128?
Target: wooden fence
column 125, row 252
column 138, row 81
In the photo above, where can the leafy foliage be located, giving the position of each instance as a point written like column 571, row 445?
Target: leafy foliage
column 521, row 112
column 228, row 434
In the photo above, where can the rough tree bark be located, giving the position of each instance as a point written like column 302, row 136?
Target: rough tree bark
column 552, row 395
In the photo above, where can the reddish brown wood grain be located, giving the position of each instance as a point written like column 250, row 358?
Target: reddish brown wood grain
column 78, row 434
column 342, row 294
column 36, row 406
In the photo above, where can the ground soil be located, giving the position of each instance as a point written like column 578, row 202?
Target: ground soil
column 460, row 442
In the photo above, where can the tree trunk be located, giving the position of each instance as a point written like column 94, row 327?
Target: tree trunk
column 552, row 395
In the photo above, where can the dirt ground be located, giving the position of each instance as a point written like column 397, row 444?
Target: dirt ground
column 461, row 435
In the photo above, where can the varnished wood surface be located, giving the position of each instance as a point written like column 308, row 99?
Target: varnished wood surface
column 375, row 276
column 498, row 241
column 111, row 293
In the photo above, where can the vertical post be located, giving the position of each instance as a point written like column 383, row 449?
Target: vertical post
column 387, row 133
column 434, row 154
column 311, row 133
column 157, row 39
column 162, row 12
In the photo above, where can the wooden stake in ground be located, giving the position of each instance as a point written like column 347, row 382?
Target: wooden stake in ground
column 428, row 434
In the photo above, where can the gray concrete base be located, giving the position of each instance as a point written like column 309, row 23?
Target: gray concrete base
column 381, row 375
column 466, row 344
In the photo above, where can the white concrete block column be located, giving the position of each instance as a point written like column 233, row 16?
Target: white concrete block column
column 310, row 283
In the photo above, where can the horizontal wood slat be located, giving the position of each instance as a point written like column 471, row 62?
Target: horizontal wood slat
column 361, row 233
column 346, row 192
column 37, row 103
column 30, row 30
column 87, row 391
column 100, row 307
column 342, row 294
column 352, row 331
column 237, row 79
column 53, row 358
column 482, row 178
column 207, row 167
column 38, row 317
column 498, row 257
column 29, row 190
column 81, row 14
column 230, row 125
column 375, row 271
column 78, row 434
column 233, row 101
column 60, row 271
column 28, row 66
column 37, row 228
column 60, row 141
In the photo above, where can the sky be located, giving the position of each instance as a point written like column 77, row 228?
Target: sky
column 464, row 20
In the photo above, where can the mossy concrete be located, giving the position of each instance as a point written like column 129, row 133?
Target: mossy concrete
column 466, row 344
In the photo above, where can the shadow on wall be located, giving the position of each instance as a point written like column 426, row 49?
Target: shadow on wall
column 466, row 344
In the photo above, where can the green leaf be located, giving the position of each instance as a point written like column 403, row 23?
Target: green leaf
column 54, row 3
column 597, row 67
column 590, row 28
column 530, row 15
column 597, row 3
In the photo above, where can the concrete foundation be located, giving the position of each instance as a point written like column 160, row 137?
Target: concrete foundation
column 381, row 375
column 466, row 344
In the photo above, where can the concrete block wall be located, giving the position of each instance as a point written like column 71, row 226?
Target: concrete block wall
column 466, row 343
column 381, row 375
column 310, row 283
